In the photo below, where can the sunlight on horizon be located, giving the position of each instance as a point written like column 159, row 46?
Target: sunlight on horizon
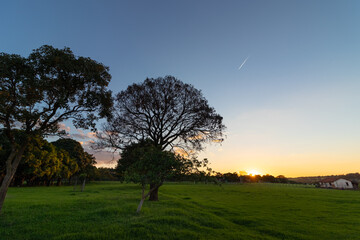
column 287, row 92
column 253, row 172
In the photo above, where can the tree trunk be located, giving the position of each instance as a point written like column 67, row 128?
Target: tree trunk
column 11, row 165
column 143, row 196
column 83, row 185
column 4, row 187
column 154, row 195
column 153, row 187
column 140, row 205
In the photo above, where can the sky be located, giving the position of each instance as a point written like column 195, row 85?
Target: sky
column 283, row 74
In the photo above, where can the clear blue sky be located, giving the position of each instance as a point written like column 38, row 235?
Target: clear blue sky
column 293, row 107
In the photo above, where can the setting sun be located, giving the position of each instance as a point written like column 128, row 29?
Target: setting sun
column 253, row 172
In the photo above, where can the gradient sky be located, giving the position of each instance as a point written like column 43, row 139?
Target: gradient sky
column 293, row 107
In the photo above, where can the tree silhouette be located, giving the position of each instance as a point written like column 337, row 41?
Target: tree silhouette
column 172, row 114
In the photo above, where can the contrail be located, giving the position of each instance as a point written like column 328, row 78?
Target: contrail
column 243, row 63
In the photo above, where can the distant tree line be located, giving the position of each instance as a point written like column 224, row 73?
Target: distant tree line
column 44, row 163
column 217, row 177
column 193, row 174
column 315, row 179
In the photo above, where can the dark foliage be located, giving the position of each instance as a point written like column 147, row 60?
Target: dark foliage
column 44, row 89
column 165, row 110
column 106, row 174
column 45, row 163
column 147, row 164
column 83, row 159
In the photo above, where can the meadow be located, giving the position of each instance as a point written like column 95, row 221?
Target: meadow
column 106, row 210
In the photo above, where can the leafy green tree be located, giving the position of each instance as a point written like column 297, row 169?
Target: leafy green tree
column 38, row 92
column 41, row 161
column 172, row 114
column 145, row 163
column 50, row 166
column 69, row 166
column 84, row 160
column 76, row 151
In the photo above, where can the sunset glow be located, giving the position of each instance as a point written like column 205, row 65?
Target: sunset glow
column 253, row 172
column 287, row 92
column 207, row 119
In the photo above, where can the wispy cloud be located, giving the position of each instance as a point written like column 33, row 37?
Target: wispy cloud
column 81, row 135
column 242, row 64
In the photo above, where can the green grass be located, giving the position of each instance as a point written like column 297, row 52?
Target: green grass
column 185, row 211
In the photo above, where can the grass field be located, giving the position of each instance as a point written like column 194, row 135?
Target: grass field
column 185, row 211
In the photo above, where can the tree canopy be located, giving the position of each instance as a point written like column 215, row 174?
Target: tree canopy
column 146, row 163
column 76, row 151
column 165, row 110
column 50, row 86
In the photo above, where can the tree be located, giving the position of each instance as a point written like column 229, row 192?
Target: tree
column 5, row 146
column 68, row 168
column 76, row 151
column 172, row 114
column 41, row 161
column 38, row 92
column 268, row 178
column 84, row 160
column 146, row 163
column 231, row 177
column 281, row 179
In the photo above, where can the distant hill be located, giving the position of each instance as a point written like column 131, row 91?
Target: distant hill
column 315, row 179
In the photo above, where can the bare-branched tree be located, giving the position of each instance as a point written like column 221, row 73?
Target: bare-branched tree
column 172, row 114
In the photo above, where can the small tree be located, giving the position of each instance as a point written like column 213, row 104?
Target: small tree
column 172, row 114
column 50, row 86
column 146, row 163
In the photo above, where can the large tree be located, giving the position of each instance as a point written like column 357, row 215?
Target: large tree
column 172, row 114
column 38, row 92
